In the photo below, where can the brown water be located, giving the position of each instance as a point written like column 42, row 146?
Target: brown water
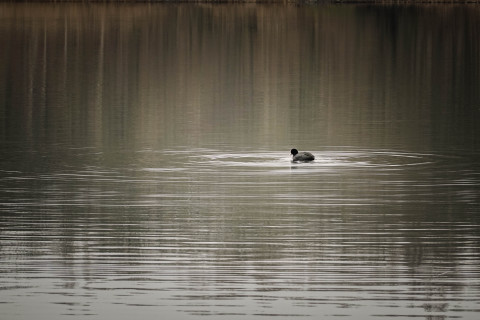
column 145, row 169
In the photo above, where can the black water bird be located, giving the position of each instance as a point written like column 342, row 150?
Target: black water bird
column 301, row 156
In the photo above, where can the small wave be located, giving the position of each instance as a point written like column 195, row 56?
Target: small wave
column 341, row 159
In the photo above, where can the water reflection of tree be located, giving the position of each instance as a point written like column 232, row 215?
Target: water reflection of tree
column 194, row 65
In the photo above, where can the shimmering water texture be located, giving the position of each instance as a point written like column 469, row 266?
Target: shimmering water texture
column 145, row 169
column 362, row 233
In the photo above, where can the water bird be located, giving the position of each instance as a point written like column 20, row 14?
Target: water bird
column 301, row 156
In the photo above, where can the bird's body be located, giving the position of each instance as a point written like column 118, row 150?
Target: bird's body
column 301, row 156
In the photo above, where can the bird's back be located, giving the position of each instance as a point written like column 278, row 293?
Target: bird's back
column 303, row 156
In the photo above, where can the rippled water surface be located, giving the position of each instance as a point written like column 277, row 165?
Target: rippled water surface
column 145, row 168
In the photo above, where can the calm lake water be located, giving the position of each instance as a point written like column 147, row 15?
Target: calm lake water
column 145, row 169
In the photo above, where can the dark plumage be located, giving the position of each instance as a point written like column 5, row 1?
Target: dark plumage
column 301, row 156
